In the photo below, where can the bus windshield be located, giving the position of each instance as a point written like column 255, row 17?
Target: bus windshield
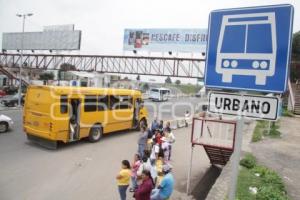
column 243, row 39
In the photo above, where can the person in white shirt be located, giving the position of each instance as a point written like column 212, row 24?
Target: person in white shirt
column 170, row 139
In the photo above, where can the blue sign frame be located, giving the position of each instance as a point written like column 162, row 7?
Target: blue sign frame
column 249, row 48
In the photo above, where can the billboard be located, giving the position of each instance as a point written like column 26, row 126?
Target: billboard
column 163, row 40
column 66, row 27
column 48, row 40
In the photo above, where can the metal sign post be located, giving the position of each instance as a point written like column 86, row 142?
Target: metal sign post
column 190, row 171
column 236, row 157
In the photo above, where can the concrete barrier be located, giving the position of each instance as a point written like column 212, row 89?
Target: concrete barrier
column 181, row 123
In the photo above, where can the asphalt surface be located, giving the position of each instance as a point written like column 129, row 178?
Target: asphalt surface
column 84, row 170
column 174, row 108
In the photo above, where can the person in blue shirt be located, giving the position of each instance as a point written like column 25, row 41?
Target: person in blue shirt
column 166, row 187
column 154, row 125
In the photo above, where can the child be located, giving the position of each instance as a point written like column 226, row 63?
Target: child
column 123, row 179
column 134, row 168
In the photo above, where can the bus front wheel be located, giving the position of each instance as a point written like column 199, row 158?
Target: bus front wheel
column 96, row 133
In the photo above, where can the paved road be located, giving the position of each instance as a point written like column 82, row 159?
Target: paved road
column 175, row 107
column 80, row 170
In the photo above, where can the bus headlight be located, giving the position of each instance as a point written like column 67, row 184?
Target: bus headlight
column 226, row 63
column 263, row 64
column 234, row 63
column 255, row 64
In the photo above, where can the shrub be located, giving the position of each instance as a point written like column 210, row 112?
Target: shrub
column 261, row 170
column 262, row 124
column 248, row 161
column 287, row 113
column 272, row 178
column 269, row 192
column 257, row 134
column 274, row 133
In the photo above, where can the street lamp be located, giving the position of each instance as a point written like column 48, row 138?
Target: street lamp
column 21, row 59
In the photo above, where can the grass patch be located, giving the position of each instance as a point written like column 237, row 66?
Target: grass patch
column 187, row 88
column 287, row 113
column 262, row 129
column 274, row 133
column 257, row 134
column 268, row 183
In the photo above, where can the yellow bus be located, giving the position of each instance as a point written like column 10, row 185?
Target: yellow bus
column 54, row 113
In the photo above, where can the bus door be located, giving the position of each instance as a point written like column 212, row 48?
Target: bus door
column 136, row 112
column 74, row 121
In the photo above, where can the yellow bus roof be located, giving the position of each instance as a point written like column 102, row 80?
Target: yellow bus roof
column 86, row 90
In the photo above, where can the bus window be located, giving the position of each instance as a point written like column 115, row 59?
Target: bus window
column 125, row 102
column 90, row 103
column 63, row 104
column 154, row 90
column 102, row 103
column 262, row 31
column 114, row 102
column 234, row 39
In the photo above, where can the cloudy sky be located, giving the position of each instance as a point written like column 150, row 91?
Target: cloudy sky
column 103, row 21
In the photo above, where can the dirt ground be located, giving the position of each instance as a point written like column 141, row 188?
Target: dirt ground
column 283, row 154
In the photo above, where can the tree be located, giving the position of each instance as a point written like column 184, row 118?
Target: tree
column 296, row 45
column 295, row 66
column 177, row 82
column 67, row 67
column 138, row 78
column 46, row 76
column 62, row 69
column 168, row 80
column 145, row 87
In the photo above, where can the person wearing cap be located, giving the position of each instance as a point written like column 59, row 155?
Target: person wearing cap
column 166, row 187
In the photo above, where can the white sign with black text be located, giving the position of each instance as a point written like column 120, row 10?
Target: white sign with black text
column 252, row 106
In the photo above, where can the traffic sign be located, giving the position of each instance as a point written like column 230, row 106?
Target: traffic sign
column 249, row 48
column 251, row 106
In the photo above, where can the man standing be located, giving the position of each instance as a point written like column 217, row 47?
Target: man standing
column 142, row 142
column 154, row 125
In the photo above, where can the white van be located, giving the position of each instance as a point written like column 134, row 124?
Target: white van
column 159, row 94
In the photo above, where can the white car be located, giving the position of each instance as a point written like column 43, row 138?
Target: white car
column 5, row 123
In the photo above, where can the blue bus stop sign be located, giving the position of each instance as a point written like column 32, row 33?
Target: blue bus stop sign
column 249, row 48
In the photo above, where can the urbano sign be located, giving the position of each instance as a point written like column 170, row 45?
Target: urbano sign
column 249, row 48
column 257, row 107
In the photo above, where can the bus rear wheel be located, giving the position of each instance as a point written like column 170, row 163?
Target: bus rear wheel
column 96, row 133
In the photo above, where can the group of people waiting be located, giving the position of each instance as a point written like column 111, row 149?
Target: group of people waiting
column 150, row 171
